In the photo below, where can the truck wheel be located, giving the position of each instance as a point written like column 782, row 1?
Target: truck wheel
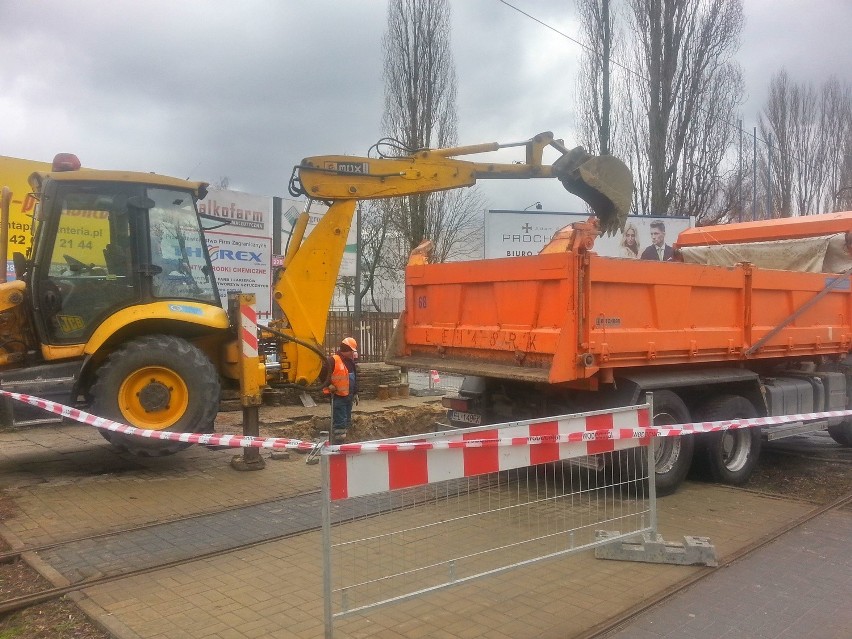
column 157, row 382
column 732, row 455
column 841, row 433
column 672, row 455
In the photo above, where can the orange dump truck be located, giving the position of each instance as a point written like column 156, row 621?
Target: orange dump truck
column 752, row 319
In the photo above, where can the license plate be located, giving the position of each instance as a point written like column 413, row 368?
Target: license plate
column 466, row 418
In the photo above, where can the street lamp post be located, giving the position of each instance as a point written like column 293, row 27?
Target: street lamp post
column 537, row 205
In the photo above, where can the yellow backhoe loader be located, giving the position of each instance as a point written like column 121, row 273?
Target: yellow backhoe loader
column 115, row 305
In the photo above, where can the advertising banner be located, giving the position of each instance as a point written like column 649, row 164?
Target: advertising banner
column 85, row 232
column 14, row 173
column 516, row 233
column 241, row 251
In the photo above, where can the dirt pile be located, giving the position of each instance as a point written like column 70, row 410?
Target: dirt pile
column 391, row 422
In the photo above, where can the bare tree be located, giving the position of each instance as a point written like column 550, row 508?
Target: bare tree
column 837, row 132
column 809, row 132
column 685, row 49
column 842, row 195
column 700, row 190
column 420, row 112
column 458, row 224
column 594, row 84
column 673, row 111
column 776, row 121
column 807, row 149
column 419, row 74
column 729, row 205
column 375, row 234
column 346, row 288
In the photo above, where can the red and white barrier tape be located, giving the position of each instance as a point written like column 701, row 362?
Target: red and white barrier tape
column 604, row 434
column 242, row 441
column 205, row 439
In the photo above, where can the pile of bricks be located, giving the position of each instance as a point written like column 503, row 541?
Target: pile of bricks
column 373, row 376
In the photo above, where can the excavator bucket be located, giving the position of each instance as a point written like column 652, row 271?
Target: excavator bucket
column 602, row 181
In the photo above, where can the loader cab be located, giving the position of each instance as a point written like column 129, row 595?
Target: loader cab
column 108, row 240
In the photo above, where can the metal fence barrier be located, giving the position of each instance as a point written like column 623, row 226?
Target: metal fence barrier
column 402, row 519
column 373, row 333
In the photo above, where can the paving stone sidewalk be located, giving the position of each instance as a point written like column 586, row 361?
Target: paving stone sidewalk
column 275, row 589
column 797, row 587
column 66, row 482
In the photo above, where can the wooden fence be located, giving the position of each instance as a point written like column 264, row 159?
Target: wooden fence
column 373, row 335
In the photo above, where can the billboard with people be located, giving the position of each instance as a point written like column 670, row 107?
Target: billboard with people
column 518, row 233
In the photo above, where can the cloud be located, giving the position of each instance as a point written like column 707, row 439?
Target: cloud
column 245, row 90
column 811, row 41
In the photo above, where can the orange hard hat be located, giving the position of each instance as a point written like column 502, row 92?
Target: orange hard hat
column 350, row 342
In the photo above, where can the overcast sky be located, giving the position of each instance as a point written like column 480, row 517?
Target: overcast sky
column 246, row 89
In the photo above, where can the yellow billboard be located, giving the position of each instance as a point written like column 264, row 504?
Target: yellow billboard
column 86, row 232
column 14, row 173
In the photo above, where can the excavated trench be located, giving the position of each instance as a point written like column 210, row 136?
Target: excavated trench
column 394, row 421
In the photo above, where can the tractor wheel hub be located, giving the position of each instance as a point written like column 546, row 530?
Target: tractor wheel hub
column 154, row 396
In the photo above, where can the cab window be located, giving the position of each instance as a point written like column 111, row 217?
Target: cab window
column 178, row 248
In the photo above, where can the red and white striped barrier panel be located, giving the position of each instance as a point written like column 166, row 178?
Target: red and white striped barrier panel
column 404, row 464
column 396, row 465
column 248, row 330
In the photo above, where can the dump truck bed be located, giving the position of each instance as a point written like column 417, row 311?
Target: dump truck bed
column 575, row 317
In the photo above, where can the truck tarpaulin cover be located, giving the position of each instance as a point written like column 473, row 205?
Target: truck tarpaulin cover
column 824, row 254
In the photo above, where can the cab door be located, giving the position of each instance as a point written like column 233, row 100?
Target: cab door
column 84, row 268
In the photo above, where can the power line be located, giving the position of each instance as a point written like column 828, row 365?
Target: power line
column 574, row 40
column 635, row 73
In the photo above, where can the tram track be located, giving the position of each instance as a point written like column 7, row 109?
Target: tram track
column 11, row 555
column 618, row 623
column 297, row 515
column 15, row 604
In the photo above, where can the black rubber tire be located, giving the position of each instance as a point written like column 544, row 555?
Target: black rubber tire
column 729, row 457
column 842, row 433
column 672, row 455
column 184, row 361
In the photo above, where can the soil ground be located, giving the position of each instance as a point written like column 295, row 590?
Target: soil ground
column 810, row 468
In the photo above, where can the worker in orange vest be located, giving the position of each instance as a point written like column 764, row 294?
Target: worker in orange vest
column 342, row 387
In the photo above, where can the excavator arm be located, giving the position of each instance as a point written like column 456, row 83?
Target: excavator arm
column 604, row 182
column 305, row 286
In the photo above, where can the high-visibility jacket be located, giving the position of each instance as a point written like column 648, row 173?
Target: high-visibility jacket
column 339, row 377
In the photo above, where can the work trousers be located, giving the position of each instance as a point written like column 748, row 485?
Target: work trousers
column 341, row 412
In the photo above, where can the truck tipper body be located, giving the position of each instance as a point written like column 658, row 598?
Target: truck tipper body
column 569, row 330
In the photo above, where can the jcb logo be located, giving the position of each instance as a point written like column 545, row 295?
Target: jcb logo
column 356, row 168
column 70, row 323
